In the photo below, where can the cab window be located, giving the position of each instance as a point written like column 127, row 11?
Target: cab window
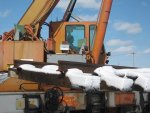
column 75, row 37
column 92, row 35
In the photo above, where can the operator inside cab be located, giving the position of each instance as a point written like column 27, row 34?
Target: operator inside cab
column 73, row 37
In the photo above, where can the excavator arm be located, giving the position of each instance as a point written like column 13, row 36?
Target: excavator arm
column 33, row 19
column 37, row 13
column 101, row 30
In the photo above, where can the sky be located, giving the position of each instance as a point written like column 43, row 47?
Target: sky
column 128, row 31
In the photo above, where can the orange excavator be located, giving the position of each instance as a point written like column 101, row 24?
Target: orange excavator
column 88, row 41
column 69, row 45
column 74, row 42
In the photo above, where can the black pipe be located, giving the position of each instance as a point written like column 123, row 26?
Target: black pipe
column 69, row 10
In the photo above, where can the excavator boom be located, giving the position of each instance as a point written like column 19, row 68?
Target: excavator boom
column 101, row 29
column 37, row 13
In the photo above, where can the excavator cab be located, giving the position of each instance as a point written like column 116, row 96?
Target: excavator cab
column 75, row 39
column 76, row 34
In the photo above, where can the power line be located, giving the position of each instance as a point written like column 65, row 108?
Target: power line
column 124, row 54
column 133, row 56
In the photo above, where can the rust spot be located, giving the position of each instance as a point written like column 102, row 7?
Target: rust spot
column 71, row 101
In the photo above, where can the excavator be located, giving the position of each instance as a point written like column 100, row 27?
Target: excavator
column 70, row 45
column 29, row 27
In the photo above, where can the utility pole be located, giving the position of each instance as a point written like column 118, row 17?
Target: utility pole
column 133, row 55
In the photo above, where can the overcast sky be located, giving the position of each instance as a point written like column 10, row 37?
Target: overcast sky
column 128, row 30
